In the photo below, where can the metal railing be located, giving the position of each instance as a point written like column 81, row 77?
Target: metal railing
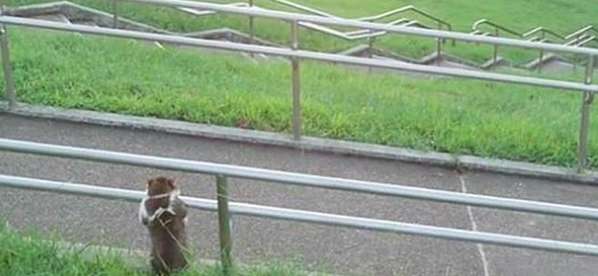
column 191, row 11
column 578, row 38
column 440, row 23
column 582, row 36
column 346, row 35
column 225, row 208
column 497, row 31
column 477, row 30
column 304, row 8
column 349, row 35
column 539, row 34
column 296, row 55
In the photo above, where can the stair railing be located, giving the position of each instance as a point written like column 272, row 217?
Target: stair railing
column 542, row 34
column 303, row 8
column 582, row 36
column 477, row 30
column 202, row 13
column 440, row 23
column 348, row 35
column 296, row 55
column 578, row 38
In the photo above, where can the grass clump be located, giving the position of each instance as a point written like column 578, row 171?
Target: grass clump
column 22, row 255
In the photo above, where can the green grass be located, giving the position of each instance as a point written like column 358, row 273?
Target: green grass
column 522, row 16
column 33, row 254
column 447, row 115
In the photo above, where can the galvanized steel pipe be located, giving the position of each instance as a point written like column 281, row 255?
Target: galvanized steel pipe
column 301, row 54
column 311, row 217
column 299, row 179
column 287, row 16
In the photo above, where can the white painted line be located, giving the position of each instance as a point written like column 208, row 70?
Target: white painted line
column 474, row 227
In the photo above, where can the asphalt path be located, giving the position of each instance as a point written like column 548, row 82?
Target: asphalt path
column 322, row 248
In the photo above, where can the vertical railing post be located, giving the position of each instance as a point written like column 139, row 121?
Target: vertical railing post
column 495, row 58
column 450, row 29
column 577, row 39
column 9, row 83
column 226, row 242
column 439, row 47
column 296, row 71
column 115, row 14
column 251, row 25
column 584, row 131
column 371, row 41
column 540, row 61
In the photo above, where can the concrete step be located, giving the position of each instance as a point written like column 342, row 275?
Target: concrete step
column 56, row 17
column 493, row 64
column 85, row 22
column 452, row 64
column 558, row 66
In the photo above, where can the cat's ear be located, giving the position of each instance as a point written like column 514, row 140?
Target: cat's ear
column 171, row 183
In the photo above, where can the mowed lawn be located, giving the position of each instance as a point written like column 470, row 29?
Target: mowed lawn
column 563, row 16
column 443, row 114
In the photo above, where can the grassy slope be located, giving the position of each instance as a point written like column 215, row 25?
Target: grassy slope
column 521, row 16
column 457, row 116
column 20, row 256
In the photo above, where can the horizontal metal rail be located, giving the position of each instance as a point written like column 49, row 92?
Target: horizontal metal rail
column 544, row 31
column 286, row 16
column 403, row 10
column 363, row 33
column 298, row 179
column 576, row 39
column 337, row 33
column 584, row 40
column 346, row 35
column 581, row 31
column 309, row 217
column 304, row 8
column 204, row 13
column 367, row 18
column 572, row 39
column 477, row 24
column 582, row 36
column 301, row 54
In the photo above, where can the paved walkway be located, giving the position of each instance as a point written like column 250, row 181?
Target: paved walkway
column 344, row 251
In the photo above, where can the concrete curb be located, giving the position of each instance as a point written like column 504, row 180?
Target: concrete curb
column 308, row 143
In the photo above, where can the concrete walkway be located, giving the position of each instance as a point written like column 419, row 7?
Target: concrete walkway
column 343, row 251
